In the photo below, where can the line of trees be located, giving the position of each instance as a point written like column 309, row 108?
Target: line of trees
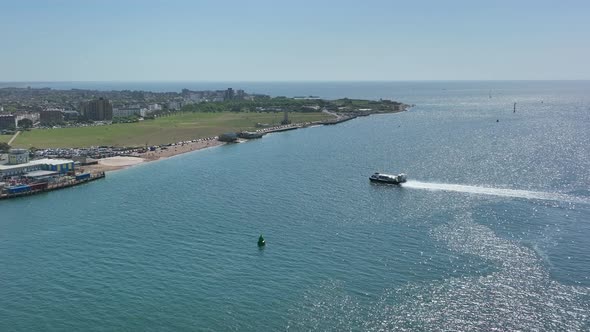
column 270, row 104
column 4, row 147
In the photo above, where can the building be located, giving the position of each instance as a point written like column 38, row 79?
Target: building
column 228, row 137
column 174, row 105
column 71, row 115
column 145, row 112
column 60, row 166
column 33, row 116
column 218, row 97
column 97, row 110
column 154, row 107
column 7, row 121
column 18, row 156
column 228, row 94
column 240, row 95
column 125, row 112
column 196, row 97
column 51, row 117
column 51, row 166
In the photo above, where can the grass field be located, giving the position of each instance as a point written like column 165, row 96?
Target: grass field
column 178, row 127
column 5, row 138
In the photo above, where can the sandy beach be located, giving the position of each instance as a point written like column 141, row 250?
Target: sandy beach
column 120, row 162
column 174, row 150
column 113, row 164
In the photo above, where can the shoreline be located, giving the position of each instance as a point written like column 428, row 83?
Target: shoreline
column 117, row 163
column 123, row 162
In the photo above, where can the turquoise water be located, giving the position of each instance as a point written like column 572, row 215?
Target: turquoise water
column 491, row 231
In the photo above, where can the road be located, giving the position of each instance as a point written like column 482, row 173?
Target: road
column 13, row 138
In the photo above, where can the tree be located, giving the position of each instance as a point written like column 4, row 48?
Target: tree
column 4, row 147
column 25, row 123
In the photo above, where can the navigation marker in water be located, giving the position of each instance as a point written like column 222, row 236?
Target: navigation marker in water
column 261, row 242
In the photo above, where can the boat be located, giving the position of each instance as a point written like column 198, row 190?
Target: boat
column 388, row 178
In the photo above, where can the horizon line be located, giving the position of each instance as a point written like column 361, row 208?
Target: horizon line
column 292, row 81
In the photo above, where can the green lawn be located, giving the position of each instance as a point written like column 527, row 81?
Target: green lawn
column 5, row 138
column 163, row 130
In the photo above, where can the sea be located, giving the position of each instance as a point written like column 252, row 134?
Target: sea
column 490, row 233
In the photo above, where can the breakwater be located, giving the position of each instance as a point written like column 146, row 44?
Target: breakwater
column 340, row 118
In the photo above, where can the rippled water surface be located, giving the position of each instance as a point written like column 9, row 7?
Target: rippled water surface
column 491, row 232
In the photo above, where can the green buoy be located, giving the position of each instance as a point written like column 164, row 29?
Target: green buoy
column 261, row 242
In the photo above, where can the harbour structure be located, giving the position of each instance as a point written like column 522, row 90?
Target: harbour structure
column 40, row 185
column 250, row 134
column 340, row 119
column 55, row 166
column 20, row 176
column 18, row 156
column 228, row 137
column 19, row 164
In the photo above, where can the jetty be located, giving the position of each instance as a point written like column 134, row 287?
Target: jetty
column 232, row 137
column 339, row 120
column 41, row 187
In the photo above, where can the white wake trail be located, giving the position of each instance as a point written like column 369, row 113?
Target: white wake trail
column 495, row 191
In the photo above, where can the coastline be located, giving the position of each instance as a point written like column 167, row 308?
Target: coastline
column 117, row 163
column 112, row 164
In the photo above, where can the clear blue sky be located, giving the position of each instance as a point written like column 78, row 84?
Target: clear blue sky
column 258, row 40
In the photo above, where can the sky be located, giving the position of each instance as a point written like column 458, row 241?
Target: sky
column 295, row 40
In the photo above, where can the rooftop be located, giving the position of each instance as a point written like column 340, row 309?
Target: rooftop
column 36, row 174
column 45, row 161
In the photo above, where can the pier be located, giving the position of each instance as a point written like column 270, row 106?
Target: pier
column 46, row 187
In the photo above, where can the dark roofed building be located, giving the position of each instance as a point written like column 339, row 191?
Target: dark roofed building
column 51, row 117
column 7, row 121
column 97, row 110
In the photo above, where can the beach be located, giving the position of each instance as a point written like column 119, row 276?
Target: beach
column 177, row 149
column 120, row 162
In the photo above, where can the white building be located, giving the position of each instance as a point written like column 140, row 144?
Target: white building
column 144, row 112
column 154, row 107
column 31, row 116
column 56, row 166
column 125, row 112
